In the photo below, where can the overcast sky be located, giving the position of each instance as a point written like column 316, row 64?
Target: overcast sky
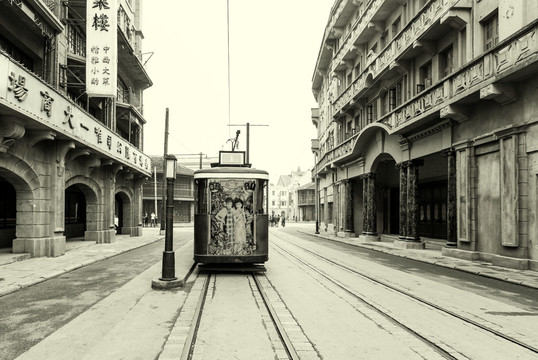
column 273, row 50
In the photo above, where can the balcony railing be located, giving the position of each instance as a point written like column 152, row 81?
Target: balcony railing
column 520, row 50
column 388, row 56
column 126, row 96
column 360, row 25
column 149, row 191
column 306, row 198
column 51, row 4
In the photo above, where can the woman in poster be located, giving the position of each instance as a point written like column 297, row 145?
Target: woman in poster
column 240, row 235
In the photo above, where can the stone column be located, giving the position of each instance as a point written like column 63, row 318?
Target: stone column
column 365, row 216
column 369, row 205
column 372, row 208
column 325, row 208
column 136, row 230
column 316, row 203
column 412, row 202
column 336, row 207
column 451, row 200
column 403, row 200
column 348, row 207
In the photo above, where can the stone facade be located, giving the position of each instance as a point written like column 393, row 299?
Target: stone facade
column 427, row 117
column 70, row 165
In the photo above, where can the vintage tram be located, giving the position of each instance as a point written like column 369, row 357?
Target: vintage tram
column 231, row 213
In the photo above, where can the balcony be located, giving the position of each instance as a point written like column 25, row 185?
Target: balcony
column 427, row 25
column 315, row 116
column 180, row 193
column 365, row 27
column 341, row 152
column 306, row 196
column 446, row 98
column 131, row 62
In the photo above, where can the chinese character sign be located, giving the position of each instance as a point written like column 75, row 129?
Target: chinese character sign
column 101, row 47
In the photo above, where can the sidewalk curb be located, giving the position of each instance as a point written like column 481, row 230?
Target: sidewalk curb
column 436, row 262
column 16, row 287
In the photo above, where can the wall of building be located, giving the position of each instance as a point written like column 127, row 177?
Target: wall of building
column 473, row 115
column 49, row 144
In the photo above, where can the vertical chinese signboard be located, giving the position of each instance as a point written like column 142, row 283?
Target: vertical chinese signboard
column 101, row 47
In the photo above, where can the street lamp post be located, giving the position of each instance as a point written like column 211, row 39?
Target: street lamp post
column 168, row 279
column 168, row 272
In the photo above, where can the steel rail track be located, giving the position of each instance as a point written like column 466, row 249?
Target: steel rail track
column 403, row 292
column 446, row 354
column 188, row 350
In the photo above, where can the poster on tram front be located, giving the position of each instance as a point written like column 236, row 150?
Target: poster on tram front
column 232, row 217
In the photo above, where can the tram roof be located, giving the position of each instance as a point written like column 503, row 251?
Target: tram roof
column 231, row 172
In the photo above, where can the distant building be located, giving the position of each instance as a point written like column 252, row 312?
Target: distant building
column 183, row 192
column 183, row 187
column 303, row 199
column 283, row 196
column 427, row 125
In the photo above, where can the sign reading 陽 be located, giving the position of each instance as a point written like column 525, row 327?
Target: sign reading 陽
column 101, row 48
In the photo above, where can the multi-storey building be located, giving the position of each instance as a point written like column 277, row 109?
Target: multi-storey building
column 303, row 199
column 427, row 125
column 279, row 197
column 282, row 201
column 183, row 189
column 71, row 156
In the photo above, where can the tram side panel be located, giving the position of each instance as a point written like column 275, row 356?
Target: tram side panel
column 262, row 234
column 201, row 233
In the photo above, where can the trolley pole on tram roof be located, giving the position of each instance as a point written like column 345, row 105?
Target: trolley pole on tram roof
column 248, row 125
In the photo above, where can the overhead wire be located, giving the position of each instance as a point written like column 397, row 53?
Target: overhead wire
column 228, row 49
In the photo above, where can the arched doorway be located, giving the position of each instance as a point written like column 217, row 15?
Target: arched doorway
column 8, row 213
column 118, row 213
column 387, row 195
column 122, row 213
column 75, row 212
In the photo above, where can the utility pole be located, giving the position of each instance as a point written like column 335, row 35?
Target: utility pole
column 248, row 125
column 163, row 220
column 155, row 190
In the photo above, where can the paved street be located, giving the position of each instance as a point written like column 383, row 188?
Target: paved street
column 101, row 307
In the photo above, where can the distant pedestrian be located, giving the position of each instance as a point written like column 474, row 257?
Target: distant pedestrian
column 153, row 219
column 283, row 221
column 146, row 219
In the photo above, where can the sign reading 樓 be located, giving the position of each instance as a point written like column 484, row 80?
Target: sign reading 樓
column 101, row 48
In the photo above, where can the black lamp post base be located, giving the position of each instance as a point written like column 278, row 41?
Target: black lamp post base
column 169, row 266
column 160, row 284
